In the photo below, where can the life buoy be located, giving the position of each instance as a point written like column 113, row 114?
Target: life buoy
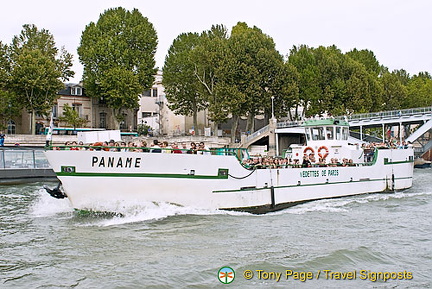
column 320, row 152
column 306, row 150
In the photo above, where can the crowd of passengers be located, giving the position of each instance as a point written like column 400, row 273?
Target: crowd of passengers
column 140, row 146
column 309, row 160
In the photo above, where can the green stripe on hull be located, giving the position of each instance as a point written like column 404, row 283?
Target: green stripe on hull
column 306, row 185
column 386, row 162
column 140, row 175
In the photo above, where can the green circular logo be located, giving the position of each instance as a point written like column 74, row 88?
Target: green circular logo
column 226, row 275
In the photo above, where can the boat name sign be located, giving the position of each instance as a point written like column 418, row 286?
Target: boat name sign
column 117, row 162
column 316, row 173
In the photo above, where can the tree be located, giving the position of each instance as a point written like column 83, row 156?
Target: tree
column 419, row 91
column 368, row 59
column 394, row 92
column 117, row 53
column 332, row 82
column 250, row 74
column 209, row 55
column 304, row 61
column 9, row 106
column 179, row 79
column 38, row 70
column 71, row 116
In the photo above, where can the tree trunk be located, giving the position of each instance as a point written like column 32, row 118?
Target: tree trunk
column 250, row 124
column 116, row 115
column 195, row 121
column 33, row 122
column 215, row 128
column 234, row 126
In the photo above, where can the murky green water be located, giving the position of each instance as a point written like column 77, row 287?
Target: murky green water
column 44, row 244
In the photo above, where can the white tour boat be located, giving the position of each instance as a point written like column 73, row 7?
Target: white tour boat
column 95, row 179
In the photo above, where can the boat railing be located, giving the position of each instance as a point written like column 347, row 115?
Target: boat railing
column 240, row 153
column 23, row 159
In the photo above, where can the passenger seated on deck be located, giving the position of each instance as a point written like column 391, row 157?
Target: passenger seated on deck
column 74, row 146
column 184, row 148
column 334, row 162
column 81, row 146
column 193, row 148
column 306, row 162
column 130, row 147
column 105, row 144
column 97, row 146
column 203, row 150
column 111, row 145
column 322, row 162
column 312, row 158
column 176, row 149
column 166, row 148
column 156, row 147
column 123, row 146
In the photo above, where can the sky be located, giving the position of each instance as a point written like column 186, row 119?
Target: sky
column 397, row 31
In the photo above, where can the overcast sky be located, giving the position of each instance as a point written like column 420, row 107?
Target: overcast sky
column 399, row 32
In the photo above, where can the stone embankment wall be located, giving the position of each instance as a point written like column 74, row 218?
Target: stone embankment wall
column 39, row 140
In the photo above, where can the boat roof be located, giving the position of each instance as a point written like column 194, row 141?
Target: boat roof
column 325, row 122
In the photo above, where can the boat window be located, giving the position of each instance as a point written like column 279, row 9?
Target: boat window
column 345, row 133
column 329, row 132
column 338, row 133
column 308, row 134
column 317, row 133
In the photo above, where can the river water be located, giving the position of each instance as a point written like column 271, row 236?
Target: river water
column 353, row 242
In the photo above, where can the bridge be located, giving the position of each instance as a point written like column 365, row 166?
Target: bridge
column 413, row 125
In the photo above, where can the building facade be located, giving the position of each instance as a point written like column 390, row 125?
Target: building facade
column 153, row 110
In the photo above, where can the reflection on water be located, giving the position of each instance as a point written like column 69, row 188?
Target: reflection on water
column 44, row 243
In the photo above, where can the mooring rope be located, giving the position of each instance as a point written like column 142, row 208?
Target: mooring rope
column 239, row 178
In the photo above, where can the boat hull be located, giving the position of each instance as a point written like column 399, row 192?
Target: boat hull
column 103, row 181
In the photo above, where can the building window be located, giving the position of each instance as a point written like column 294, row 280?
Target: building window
column 146, row 114
column 55, row 111
column 123, row 123
column 102, row 120
column 77, row 107
column 76, row 90
column 154, row 92
column 11, row 127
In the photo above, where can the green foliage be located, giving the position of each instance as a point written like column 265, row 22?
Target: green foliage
column 37, row 69
column 333, row 82
column 143, row 129
column 71, row 116
column 181, row 85
column 231, row 76
column 394, row 91
column 419, row 91
column 118, row 57
column 9, row 106
column 368, row 59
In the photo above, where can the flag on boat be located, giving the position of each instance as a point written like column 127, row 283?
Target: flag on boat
column 50, row 131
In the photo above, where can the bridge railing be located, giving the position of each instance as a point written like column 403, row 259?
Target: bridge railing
column 257, row 133
column 389, row 114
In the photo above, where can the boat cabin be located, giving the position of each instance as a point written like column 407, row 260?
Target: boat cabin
column 326, row 130
column 326, row 139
